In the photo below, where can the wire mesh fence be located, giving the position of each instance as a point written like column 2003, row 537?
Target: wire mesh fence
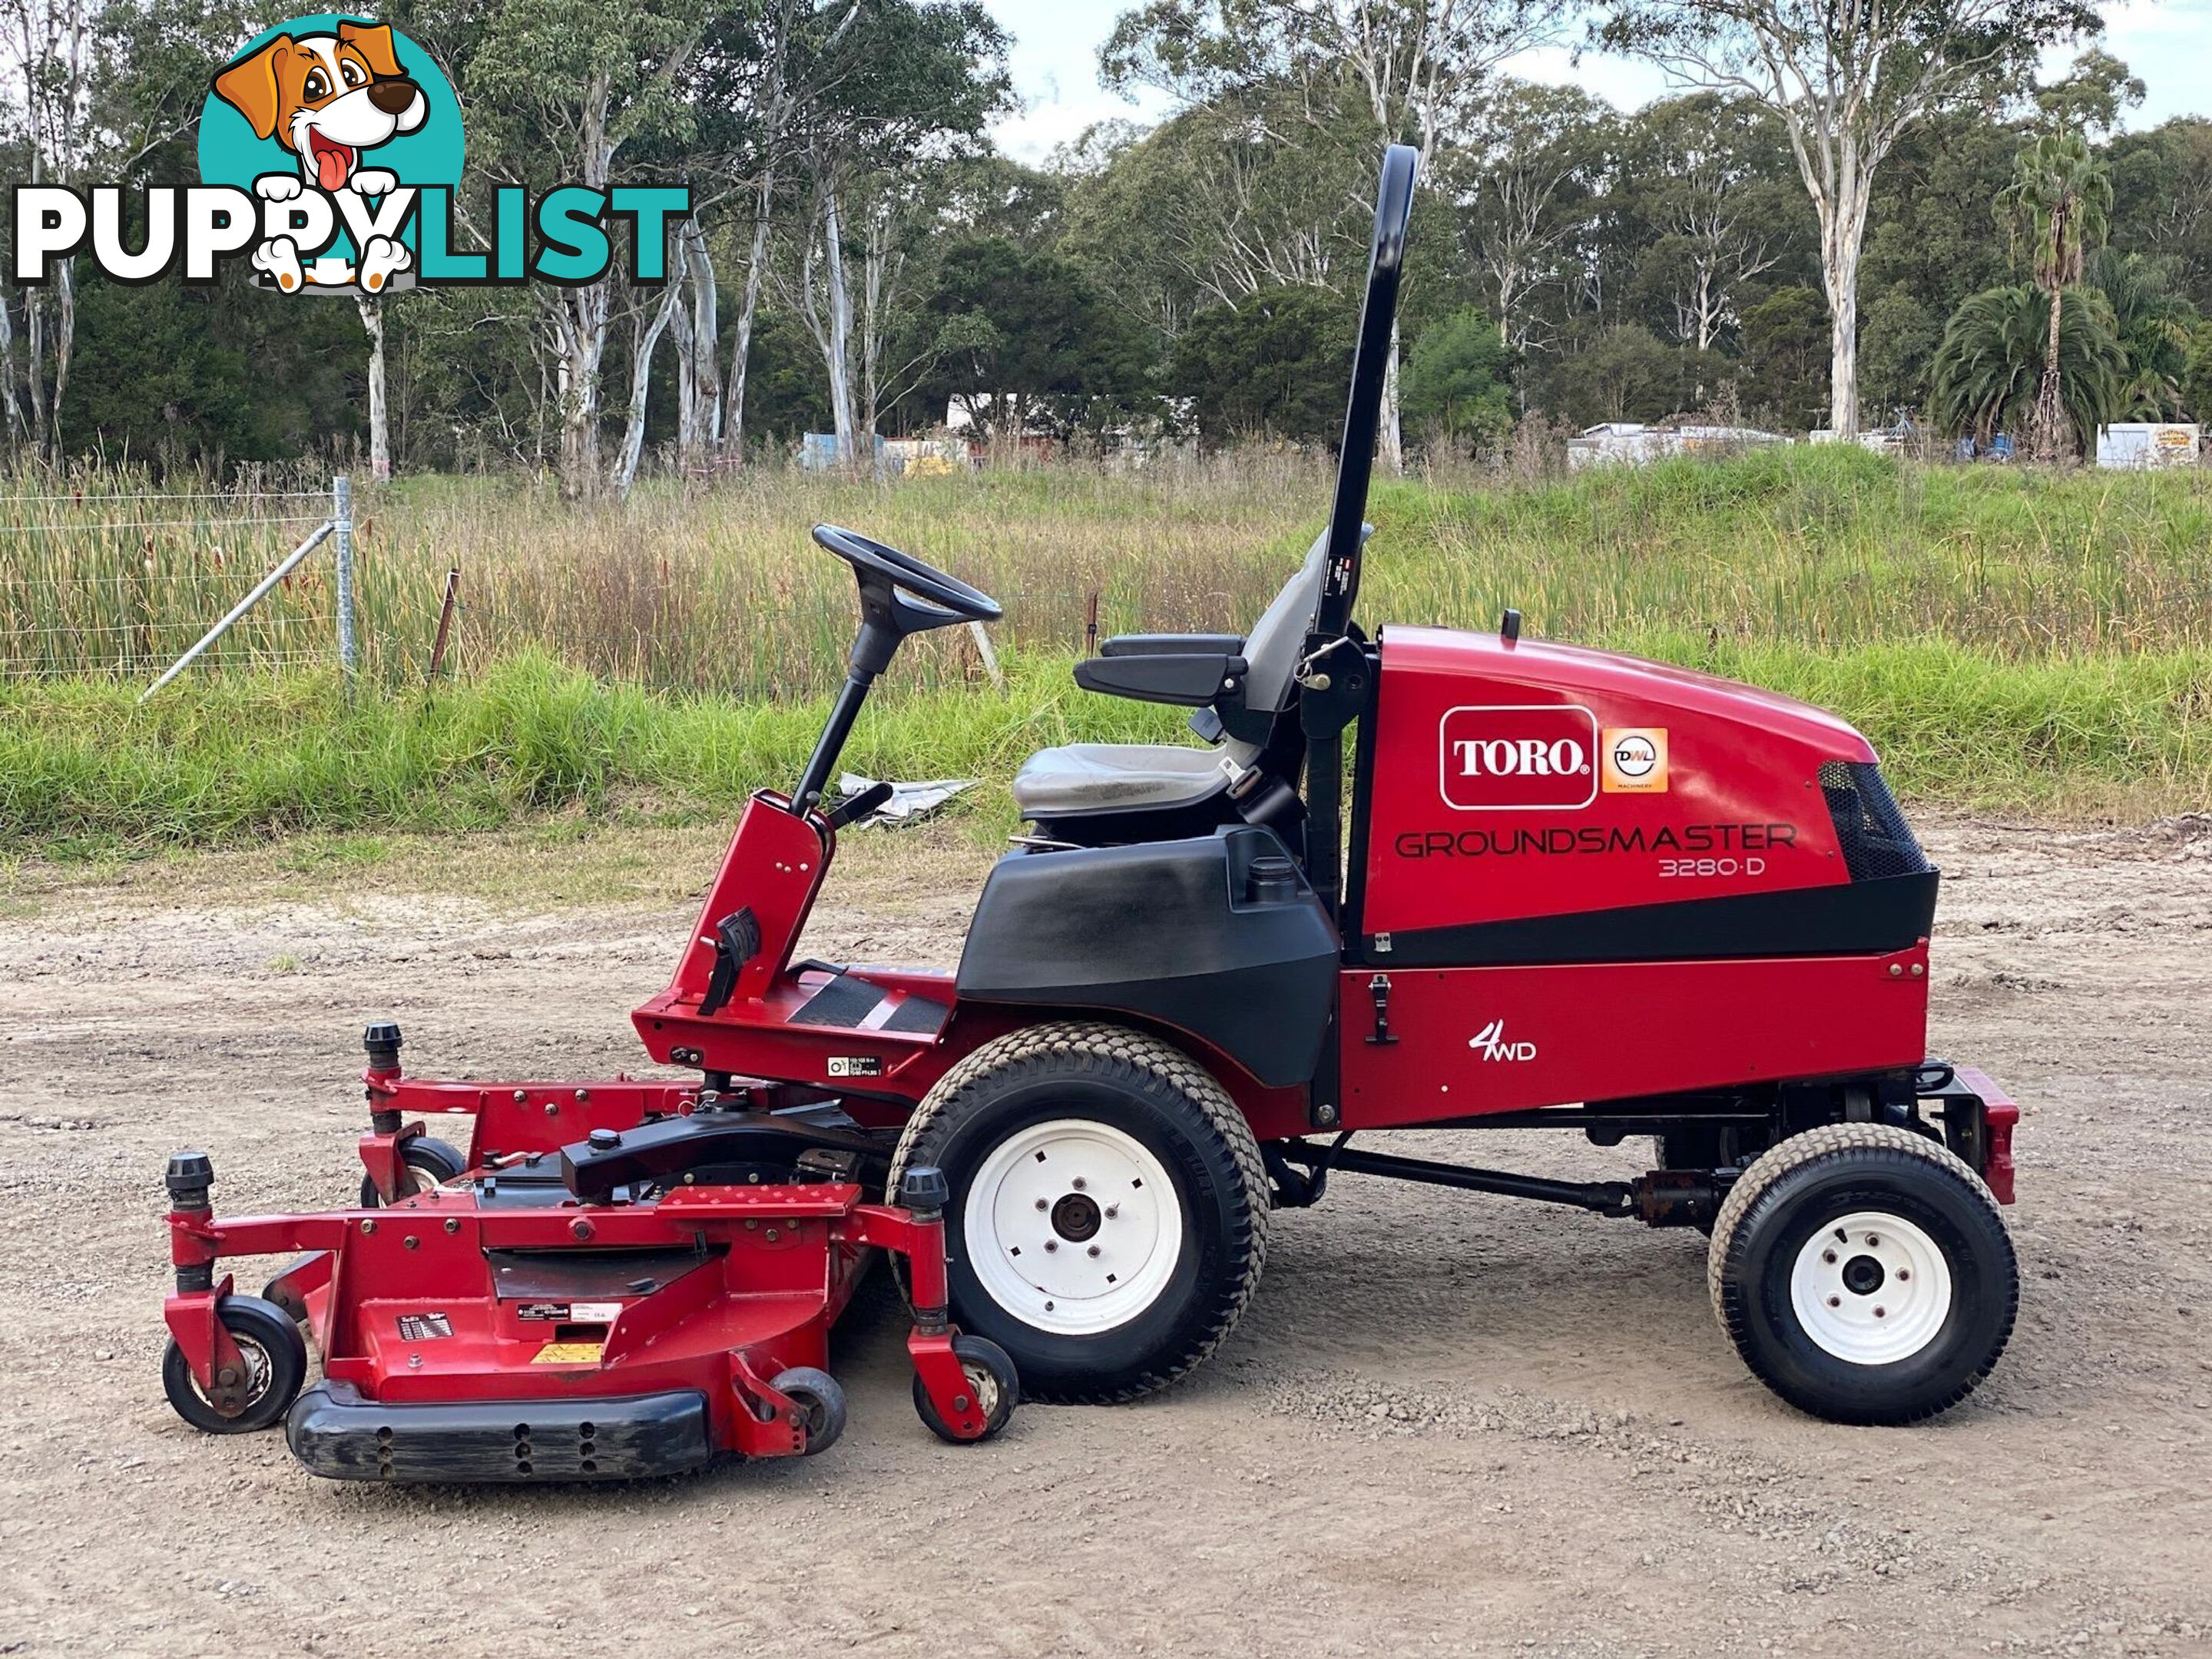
column 120, row 585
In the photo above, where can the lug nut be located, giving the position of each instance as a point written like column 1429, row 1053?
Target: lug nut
column 1113, row 1210
column 1904, row 1272
column 1872, row 1240
column 1093, row 1250
column 1041, row 1204
column 1051, row 1243
column 1828, row 1256
column 1881, row 1313
column 1078, row 1183
column 1835, row 1301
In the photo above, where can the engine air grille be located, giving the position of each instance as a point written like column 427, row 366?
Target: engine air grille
column 1872, row 832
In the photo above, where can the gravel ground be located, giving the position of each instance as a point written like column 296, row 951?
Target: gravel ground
column 1447, row 1423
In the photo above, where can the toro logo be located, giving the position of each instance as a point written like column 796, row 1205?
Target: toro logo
column 1522, row 758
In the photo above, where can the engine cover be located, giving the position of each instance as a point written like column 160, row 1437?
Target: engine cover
column 1667, row 813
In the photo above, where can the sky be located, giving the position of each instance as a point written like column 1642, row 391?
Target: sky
column 2167, row 43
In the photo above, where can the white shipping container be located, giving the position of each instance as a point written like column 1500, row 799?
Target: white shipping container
column 2140, row 445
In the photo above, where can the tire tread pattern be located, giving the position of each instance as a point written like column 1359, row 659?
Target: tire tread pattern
column 1118, row 1053
column 1795, row 1153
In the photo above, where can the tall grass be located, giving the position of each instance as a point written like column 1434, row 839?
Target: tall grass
column 722, row 592
column 83, row 769
column 2007, row 638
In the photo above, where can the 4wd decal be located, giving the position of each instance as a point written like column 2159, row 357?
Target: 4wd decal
column 1517, row 757
column 1491, row 1043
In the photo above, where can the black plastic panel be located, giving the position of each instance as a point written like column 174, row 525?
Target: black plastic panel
column 1164, row 644
column 337, row 1434
column 1170, row 931
column 1191, row 679
column 1849, row 918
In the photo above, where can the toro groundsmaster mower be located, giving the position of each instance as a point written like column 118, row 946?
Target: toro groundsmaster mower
column 1583, row 891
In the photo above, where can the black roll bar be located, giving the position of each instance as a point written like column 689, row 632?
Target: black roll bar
column 1363, row 411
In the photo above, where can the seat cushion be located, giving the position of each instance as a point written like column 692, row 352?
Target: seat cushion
column 1115, row 777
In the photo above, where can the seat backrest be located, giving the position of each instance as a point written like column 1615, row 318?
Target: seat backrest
column 1271, row 650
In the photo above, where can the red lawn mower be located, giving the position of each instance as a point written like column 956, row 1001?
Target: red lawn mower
column 1583, row 891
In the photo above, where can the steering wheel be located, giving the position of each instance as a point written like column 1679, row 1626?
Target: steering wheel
column 900, row 592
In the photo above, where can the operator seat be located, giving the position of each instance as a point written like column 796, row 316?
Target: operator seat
column 1089, row 782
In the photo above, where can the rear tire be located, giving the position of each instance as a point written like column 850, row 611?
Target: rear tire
column 1863, row 1273
column 1108, row 1213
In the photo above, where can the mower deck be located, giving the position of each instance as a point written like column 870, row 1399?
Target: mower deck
column 499, row 1328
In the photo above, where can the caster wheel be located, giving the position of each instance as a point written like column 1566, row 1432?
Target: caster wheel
column 991, row 1380
column 425, row 1163
column 1864, row 1274
column 276, row 1356
column 1108, row 1213
column 820, row 1397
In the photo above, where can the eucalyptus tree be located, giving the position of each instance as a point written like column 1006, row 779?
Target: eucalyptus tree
column 1847, row 82
column 1705, row 192
column 898, row 90
column 1522, row 182
column 1415, row 66
column 562, row 92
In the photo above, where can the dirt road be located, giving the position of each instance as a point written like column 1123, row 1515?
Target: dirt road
column 1448, row 1424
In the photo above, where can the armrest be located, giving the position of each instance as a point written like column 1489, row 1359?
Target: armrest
column 1171, row 645
column 1192, row 679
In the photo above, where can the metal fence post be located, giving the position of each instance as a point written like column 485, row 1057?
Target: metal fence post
column 342, row 518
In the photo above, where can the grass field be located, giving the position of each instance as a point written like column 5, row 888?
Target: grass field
column 2008, row 639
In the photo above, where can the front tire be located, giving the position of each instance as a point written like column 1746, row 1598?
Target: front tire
column 1108, row 1213
column 1863, row 1273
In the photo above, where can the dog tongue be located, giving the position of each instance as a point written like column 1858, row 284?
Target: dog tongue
column 330, row 168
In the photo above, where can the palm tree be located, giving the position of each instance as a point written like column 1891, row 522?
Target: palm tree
column 1993, row 364
column 2154, row 323
column 2060, row 200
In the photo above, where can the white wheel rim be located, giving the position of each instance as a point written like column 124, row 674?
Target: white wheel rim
column 1073, row 1226
column 1871, row 1288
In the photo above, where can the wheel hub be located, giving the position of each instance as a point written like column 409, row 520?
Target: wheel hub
column 1072, row 1225
column 1076, row 1217
column 1871, row 1288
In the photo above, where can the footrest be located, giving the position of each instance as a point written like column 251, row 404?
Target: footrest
column 337, row 1434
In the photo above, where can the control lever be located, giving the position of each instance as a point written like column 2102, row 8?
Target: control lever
column 855, row 807
column 737, row 942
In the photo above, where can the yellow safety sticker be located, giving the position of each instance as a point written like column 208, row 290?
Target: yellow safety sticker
column 570, row 1353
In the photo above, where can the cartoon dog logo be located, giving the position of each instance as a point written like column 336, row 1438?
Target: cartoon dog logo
column 327, row 98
